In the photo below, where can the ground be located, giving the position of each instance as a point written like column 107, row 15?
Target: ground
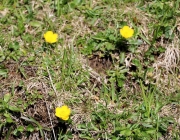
column 116, row 87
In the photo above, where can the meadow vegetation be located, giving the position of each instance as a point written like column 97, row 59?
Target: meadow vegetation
column 90, row 69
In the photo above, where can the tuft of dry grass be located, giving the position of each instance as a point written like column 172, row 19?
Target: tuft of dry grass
column 166, row 67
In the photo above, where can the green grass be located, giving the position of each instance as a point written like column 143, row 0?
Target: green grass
column 116, row 88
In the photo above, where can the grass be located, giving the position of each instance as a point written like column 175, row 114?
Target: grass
column 116, row 88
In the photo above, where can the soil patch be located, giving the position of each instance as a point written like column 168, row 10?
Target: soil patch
column 100, row 65
column 16, row 70
column 17, row 73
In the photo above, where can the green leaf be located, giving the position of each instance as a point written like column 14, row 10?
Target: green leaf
column 144, row 134
column 2, row 56
column 161, row 49
column 14, row 108
column 158, row 107
column 151, row 131
column 6, row 115
column 20, row 128
column 120, row 82
column 147, row 125
column 36, row 23
column 109, row 46
column 99, row 38
column 8, row 118
column 7, row 97
column 1, row 125
column 17, row 131
column 58, row 85
column 82, row 126
column 94, row 127
column 30, row 128
column 83, row 136
column 136, row 62
column 136, row 42
column 14, row 46
column 77, row 2
column 3, row 72
column 126, row 132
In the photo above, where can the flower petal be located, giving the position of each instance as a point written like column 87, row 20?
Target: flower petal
column 63, row 112
column 126, row 32
column 50, row 37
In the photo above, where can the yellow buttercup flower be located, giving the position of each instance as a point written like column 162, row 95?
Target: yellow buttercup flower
column 126, row 32
column 63, row 112
column 50, row 37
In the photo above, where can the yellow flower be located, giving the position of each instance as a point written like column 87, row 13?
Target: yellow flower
column 63, row 112
column 126, row 32
column 50, row 37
